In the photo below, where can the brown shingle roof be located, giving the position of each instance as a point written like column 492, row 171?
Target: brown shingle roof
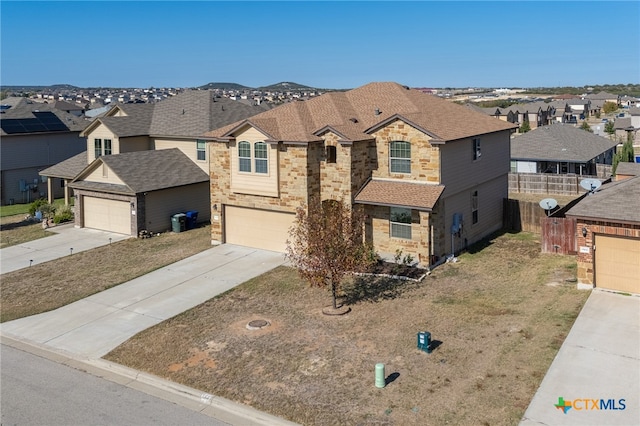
column 369, row 105
column 614, row 202
column 419, row 196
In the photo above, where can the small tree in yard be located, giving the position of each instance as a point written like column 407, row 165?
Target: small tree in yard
column 326, row 244
column 526, row 127
column 609, row 128
column 585, row 126
column 625, row 154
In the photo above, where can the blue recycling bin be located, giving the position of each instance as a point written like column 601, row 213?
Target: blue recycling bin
column 192, row 219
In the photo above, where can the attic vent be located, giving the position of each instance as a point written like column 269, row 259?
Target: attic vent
column 353, row 120
column 378, row 112
column 182, row 111
column 406, row 87
column 223, row 107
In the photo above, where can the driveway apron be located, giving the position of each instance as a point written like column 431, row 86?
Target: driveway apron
column 94, row 326
column 596, row 373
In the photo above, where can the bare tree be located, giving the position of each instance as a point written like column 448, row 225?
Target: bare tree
column 326, row 243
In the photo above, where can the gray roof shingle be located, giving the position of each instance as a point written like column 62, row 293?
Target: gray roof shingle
column 146, row 171
column 559, row 142
column 617, row 201
column 67, row 169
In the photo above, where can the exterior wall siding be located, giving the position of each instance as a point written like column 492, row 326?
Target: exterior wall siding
column 187, row 146
column 23, row 156
column 159, row 206
column 459, row 170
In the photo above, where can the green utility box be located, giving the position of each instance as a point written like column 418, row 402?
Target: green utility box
column 178, row 222
column 424, row 341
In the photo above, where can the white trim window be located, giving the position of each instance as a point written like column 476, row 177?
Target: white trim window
column 400, row 157
column 107, row 147
column 260, row 157
column 400, row 223
column 201, row 150
column 254, row 160
column 244, row 156
column 474, row 207
column 476, row 149
column 97, row 147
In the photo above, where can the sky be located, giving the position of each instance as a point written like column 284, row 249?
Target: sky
column 322, row 44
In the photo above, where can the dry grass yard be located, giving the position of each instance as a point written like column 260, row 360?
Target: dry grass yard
column 498, row 317
column 50, row 285
column 16, row 230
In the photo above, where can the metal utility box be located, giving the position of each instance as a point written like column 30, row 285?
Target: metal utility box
column 424, row 341
column 178, row 222
column 192, row 219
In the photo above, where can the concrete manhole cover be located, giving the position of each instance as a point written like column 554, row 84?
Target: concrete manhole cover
column 257, row 324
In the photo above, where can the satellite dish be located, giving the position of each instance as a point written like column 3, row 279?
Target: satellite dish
column 590, row 185
column 548, row 204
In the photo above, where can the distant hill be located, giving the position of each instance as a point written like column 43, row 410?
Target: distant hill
column 233, row 86
column 286, row 85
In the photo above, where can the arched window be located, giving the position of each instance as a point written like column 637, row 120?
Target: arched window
column 400, row 157
column 244, row 156
column 260, row 156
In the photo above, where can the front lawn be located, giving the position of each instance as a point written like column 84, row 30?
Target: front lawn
column 497, row 316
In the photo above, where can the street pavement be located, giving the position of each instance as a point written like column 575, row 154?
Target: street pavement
column 598, row 361
column 79, row 334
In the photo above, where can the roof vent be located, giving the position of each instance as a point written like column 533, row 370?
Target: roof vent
column 378, row 112
column 353, row 120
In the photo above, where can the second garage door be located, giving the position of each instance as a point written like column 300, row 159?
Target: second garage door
column 617, row 263
column 263, row 229
column 107, row 215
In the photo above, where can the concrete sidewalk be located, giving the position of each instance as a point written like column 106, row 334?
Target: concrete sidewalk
column 599, row 360
column 94, row 326
column 67, row 240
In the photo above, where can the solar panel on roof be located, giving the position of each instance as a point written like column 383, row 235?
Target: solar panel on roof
column 43, row 122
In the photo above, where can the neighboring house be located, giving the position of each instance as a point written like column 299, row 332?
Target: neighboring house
column 34, row 136
column 626, row 170
column 629, row 101
column 627, row 128
column 174, row 123
column 431, row 175
column 74, row 109
column 560, row 149
column 604, row 97
column 140, row 190
column 535, row 113
column 608, row 225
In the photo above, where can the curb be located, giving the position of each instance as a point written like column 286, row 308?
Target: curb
column 213, row 406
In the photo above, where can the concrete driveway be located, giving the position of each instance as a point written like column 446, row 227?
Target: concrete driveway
column 597, row 370
column 94, row 326
column 67, row 240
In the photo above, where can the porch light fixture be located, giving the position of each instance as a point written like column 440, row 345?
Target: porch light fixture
column 215, row 207
column 584, row 231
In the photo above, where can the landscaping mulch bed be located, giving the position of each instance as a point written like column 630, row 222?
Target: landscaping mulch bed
column 497, row 318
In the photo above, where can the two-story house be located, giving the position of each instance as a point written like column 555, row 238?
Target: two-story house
column 127, row 183
column 34, row 136
column 431, row 175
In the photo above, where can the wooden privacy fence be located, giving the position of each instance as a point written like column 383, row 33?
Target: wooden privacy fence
column 523, row 216
column 558, row 235
column 549, row 183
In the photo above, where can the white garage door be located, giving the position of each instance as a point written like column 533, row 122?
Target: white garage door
column 107, row 215
column 617, row 263
column 263, row 229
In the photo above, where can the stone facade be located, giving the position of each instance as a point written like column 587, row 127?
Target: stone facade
column 425, row 157
column 585, row 261
column 304, row 172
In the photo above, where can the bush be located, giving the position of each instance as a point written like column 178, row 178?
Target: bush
column 65, row 214
column 37, row 205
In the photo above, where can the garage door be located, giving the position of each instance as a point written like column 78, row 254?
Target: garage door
column 617, row 263
column 108, row 215
column 263, row 229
